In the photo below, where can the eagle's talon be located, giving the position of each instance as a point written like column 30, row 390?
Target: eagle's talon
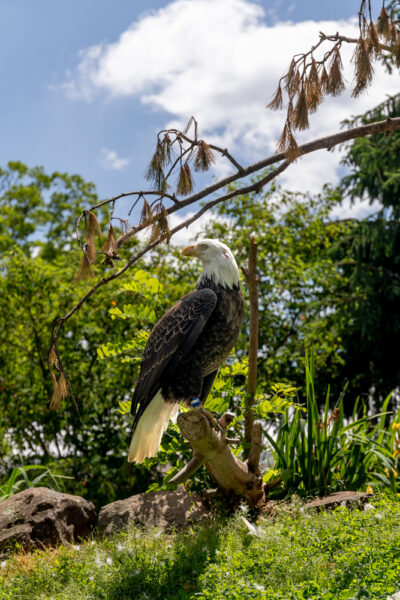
column 211, row 419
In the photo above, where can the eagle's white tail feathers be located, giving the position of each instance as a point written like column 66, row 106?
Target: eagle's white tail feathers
column 154, row 421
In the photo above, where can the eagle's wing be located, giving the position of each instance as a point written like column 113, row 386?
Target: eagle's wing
column 171, row 338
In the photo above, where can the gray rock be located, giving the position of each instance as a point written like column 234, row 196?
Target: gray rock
column 339, row 499
column 155, row 509
column 40, row 517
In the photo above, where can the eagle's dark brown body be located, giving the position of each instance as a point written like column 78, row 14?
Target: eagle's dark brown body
column 195, row 372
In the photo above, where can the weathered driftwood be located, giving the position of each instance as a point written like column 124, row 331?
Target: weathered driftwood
column 235, row 479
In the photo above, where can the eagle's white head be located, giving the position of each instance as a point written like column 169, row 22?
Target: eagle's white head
column 219, row 264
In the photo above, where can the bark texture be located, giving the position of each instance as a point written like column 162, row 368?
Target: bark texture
column 234, row 478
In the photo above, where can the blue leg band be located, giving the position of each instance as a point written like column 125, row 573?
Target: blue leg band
column 195, row 402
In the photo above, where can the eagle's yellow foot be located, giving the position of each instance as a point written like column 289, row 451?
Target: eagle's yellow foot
column 212, row 420
column 196, row 405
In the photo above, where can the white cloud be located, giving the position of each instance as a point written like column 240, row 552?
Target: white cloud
column 220, row 60
column 186, row 235
column 110, row 160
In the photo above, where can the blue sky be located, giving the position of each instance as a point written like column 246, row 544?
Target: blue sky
column 66, row 114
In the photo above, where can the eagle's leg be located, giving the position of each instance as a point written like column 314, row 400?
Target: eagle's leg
column 196, row 405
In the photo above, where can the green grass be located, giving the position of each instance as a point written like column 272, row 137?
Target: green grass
column 345, row 554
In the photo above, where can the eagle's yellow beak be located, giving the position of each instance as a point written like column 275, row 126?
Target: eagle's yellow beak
column 189, row 251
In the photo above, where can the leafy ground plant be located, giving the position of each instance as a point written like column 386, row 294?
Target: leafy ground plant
column 297, row 555
column 319, row 452
column 19, row 480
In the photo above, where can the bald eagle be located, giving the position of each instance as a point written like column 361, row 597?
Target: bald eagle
column 186, row 347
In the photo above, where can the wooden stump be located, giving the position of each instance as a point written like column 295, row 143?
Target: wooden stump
column 235, row 479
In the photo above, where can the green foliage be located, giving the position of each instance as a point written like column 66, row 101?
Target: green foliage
column 299, row 282
column 374, row 161
column 228, row 386
column 298, row 555
column 88, row 446
column 19, row 480
column 37, row 268
column 368, row 257
column 322, row 453
column 279, row 400
column 40, row 210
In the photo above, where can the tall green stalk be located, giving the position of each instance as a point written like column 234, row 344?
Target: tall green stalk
column 318, row 452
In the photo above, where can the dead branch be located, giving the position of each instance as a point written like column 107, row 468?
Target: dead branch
column 234, row 478
column 327, row 143
column 255, row 449
column 312, row 75
column 195, row 463
column 252, row 280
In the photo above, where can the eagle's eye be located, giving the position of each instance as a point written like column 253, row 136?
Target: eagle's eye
column 203, row 246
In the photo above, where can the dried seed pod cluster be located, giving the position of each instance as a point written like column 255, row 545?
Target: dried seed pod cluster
column 92, row 229
column 175, row 150
column 60, row 386
column 308, row 80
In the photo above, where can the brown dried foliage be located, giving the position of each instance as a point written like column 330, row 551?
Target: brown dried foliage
column 363, row 67
column 292, row 79
column 306, row 83
column 160, row 228
column 185, row 181
column 314, row 88
column 85, row 270
column 52, row 357
column 324, row 80
column 162, row 217
column 110, row 247
column 277, row 100
column 60, row 390
column 204, row 157
column 288, row 144
column 382, row 25
column 300, row 114
column 373, row 42
column 90, row 250
column 146, row 215
column 92, row 227
column 160, row 159
column 335, row 80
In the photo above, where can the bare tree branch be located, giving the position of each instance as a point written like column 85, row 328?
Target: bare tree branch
column 255, row 449
column 327, row 142
column 191, row 467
